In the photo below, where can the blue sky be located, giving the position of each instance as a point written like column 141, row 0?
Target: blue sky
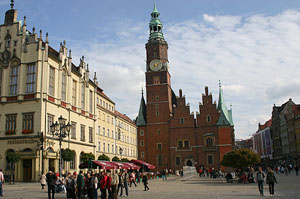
column 252, row 46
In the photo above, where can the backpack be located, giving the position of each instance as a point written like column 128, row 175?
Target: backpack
column 260, row 176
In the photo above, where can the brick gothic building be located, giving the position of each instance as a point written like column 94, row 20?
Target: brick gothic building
column 169, row 136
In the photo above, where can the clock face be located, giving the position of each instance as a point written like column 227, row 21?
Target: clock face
column 155, row 65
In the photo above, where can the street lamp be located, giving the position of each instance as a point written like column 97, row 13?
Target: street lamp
column 121, row 151
column 60, row 130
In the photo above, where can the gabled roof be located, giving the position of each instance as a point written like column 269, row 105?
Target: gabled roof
column 265, row 125
column 225, row 114
column 125, row 117
column 141, row 119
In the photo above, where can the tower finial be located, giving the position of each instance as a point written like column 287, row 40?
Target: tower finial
column 219, row 83
column 142, row 90
column 155, row 9
column 12, row 4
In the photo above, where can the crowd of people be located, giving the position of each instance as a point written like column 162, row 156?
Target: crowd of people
column 111, row 184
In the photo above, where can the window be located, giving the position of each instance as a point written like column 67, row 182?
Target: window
column 180, row 144
column 157, row 98
column 103, row 131
column 142, row 142
column 112, row 148
column 91, row 135
column 103, row 147
column 208, row 118
column 82, row 133
column 107, row 132
column 159, row 146
column 178, row 160
column 112, row 134
column 156, row 106
column 1, row 80
column 73, row 130
column 91, row 101
column 82, row 96
column 209, row 142
column 156, row 80
column 99, row 146
column 72, row 163
column 186, row 143
column 108, row 148
column 63, row 85
column 157, row 113
column 30, row 83
column 51, row 80
column 210, row 159
column 107, row 119
column 13, row 84
column 15, row 43
column 74, row 93
column 99, row 130
column 7, row 41
column 181, row 120
column 158, row 132
column 27, row 123
column 50, row 121
column 142, row 154
column 159, row 160
column 11, row 124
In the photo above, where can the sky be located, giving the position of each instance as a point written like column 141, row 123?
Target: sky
column 252, row 46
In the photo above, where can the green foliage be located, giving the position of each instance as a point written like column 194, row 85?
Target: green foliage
column 85, row 157
column 240, row 158
column 116, row 159
column 13, row 157
column 103, row 157
column 125, row 160
column 67, row 155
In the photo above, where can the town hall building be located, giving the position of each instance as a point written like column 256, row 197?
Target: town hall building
column 169, row 135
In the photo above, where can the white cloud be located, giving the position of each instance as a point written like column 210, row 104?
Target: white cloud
column 255, row 57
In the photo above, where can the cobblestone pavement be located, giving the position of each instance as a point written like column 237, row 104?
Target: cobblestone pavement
column 173, row 188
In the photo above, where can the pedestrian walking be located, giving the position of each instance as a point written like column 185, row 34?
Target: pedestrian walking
column 164, row 177
column 108, row 185
column 286, row 170
column 132, row 179
column 260, row 176
column 297, row 170
column 137, row 175
column 114, row 184
column 70, row 186
column 43, row 180
column 80, row 184
column 125, row 182
column 103, row 182
column 121, row 185
column 271, row 179
column 90, row 185
column 145, row 182
column 1, row 182
column 51, row 178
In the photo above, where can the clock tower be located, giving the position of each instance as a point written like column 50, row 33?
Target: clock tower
column 159, row 95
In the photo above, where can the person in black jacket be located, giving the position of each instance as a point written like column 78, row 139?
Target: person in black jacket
column 271, row 179
column 51, row 178
column 145, row 181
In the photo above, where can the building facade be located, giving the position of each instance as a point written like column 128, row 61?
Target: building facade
column 38, row 85
column 169, row 135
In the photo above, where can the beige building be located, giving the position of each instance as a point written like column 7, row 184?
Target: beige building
column 38, row 85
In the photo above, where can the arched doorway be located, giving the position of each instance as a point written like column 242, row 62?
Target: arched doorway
column 189, row 163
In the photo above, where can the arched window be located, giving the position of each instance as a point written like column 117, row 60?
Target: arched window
column 208, row 118
column 142, row 132
column 142, row 154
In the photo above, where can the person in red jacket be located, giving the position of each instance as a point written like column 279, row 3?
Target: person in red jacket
column 108, row 185
column 103, row 185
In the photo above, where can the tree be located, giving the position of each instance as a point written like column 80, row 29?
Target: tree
column 125, row 160
column 85, row 157
column 240, row 158
column 103, row 157
column 12, row 157
column 116, row 159
column 67, row 155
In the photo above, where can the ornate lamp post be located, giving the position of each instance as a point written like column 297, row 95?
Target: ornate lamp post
column 60, row 130
column 121, row 151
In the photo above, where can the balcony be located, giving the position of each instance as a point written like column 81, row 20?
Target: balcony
column 209, row 148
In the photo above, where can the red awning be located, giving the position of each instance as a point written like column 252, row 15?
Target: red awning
column 121, row 165
column 132, row 166
column 140, row 162
column 105, row 165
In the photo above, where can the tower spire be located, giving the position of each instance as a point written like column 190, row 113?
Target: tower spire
column 12, row 4
column 155, row 25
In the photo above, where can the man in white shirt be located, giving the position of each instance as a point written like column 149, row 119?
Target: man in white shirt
column 1, row 182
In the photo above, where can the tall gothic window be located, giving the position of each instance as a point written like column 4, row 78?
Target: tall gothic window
column 82, row 96
column 91, row 101
column 13, row 84
column 51, row 81
column 91, row 135
column 1, row 71
column 74, row 93
column 63, row 86
column 30, row 83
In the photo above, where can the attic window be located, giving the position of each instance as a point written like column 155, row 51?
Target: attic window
column 181, row 120
column 208, row 118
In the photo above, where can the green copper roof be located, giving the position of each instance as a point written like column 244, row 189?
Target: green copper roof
column 155, row 25
column 141, row 119
column 225, row 114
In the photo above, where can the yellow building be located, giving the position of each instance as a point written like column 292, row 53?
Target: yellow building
column 38, row 85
